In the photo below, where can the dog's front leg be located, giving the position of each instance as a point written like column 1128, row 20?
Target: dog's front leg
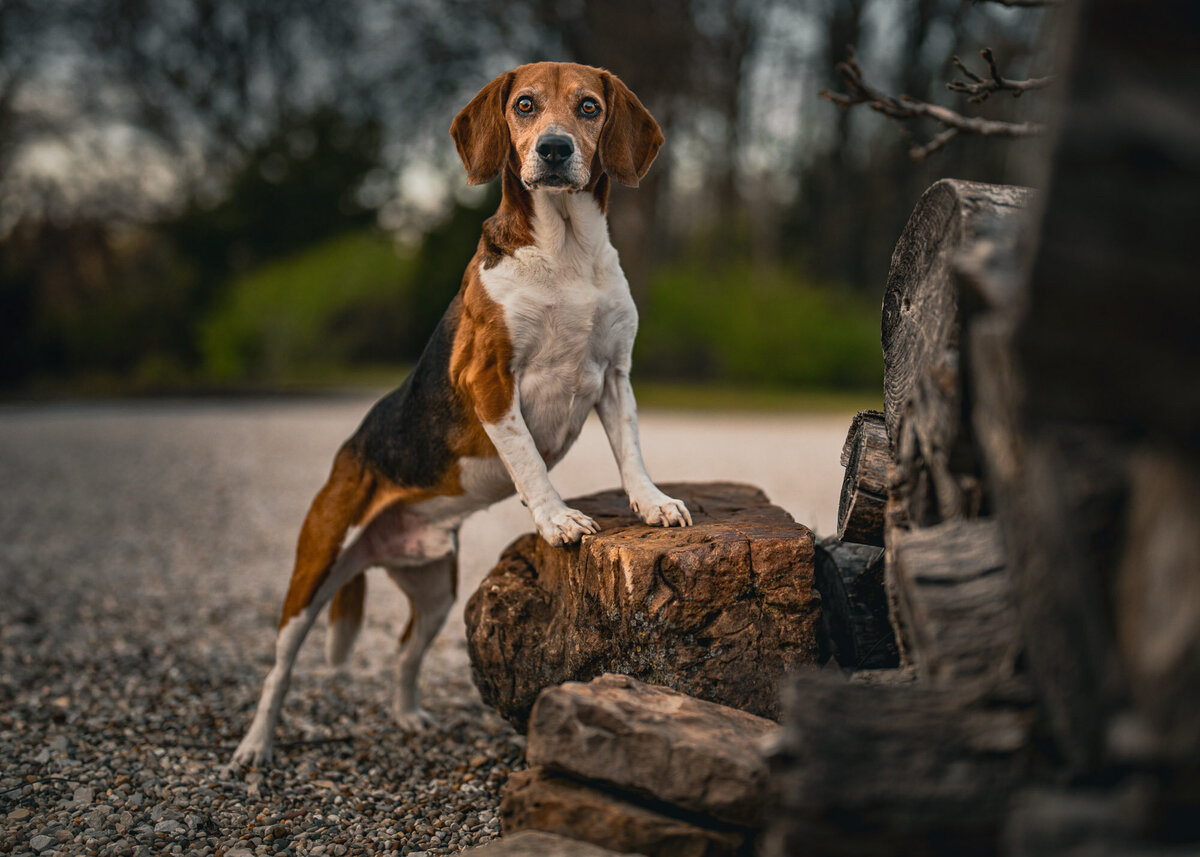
column 618, row 413
column 556, row 522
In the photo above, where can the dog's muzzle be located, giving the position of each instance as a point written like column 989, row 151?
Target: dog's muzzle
column 557, row 164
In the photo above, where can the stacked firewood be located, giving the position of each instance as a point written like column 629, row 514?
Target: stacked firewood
column 933, row 733
column 1030, row 496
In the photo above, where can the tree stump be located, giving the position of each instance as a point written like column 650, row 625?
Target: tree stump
column 719, row 610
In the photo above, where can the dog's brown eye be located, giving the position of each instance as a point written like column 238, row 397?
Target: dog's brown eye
column 524, row 104
column 589, row 107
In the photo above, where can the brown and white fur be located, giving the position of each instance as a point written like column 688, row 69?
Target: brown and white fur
column 540, row 333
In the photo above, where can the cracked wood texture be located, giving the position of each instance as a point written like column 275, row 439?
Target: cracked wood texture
column 854, row 605
column 938, row 476
column 889, row 770
column 866, row 455
column 955, row 596
column 654, row 743
column 719, row 610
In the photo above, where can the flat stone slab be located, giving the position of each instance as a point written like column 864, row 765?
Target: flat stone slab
column 719, row 610
column 539, row 800
column 652, row 741
column 536, row 843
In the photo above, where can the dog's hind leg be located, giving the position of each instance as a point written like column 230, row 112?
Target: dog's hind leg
column 431, row 588
column 322, row 568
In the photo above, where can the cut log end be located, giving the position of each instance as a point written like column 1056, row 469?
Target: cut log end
column 865, row 455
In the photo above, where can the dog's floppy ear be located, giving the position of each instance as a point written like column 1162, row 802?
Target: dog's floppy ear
column 630, row 137
column 480, row 131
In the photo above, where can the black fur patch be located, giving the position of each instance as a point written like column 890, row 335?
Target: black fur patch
column 404, row 436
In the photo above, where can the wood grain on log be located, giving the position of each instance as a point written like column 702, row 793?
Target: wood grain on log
column 891, row 770
column 924, row 404
column 1158, row 590
column 854, row 605
column 955, row 596
column 865, row 455
column 719, row 610
column 537, row 799
column 654, row 743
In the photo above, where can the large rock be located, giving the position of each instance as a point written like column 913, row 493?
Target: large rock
column 719, row 610
column 538, row 800
column 654, row 742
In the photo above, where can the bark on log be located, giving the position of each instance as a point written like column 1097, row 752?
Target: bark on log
column 1102, row 383
column 924, row 406
column 536, row 799
column 854, row 606
column 891, row 770
column 1096, row 822
column 654, row 743
column 955, row 596
column 719, row 610
column 865, row 455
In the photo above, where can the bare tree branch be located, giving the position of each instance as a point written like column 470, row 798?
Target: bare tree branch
column 977, row 89
column 905, row 108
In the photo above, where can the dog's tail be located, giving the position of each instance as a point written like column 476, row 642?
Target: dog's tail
column 345, row 619
column 338, row 506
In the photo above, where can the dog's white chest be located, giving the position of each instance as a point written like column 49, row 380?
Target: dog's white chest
column 569, row 316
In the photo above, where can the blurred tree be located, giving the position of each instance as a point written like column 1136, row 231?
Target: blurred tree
column 301, row 184
column 228, row 134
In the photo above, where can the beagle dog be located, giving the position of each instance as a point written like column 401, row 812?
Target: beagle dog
column 540, row 333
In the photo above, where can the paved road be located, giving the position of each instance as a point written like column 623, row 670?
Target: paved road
column 144, row 551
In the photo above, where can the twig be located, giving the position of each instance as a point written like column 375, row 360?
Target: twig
column 905, row 108
column 977, row 89
column 39, row 781
column 920, row 153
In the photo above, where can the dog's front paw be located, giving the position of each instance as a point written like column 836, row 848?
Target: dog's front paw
column 253, row 752
column 414, row 720
column 564, row 526
column 658, row 509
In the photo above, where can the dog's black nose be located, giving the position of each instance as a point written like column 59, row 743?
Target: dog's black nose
column 554, row 148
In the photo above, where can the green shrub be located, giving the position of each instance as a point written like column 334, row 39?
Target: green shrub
column 294, row 316
column 766, row 327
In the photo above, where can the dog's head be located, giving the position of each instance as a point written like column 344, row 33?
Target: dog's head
column 556, row 124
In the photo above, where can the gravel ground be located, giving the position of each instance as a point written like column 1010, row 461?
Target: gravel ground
column 144, row 550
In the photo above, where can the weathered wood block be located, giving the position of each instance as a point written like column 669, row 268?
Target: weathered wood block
column 854, row 605
column 654, row 742
column 955, row 598
column 719, row 610
column 922, row 339
column 865, row 455
column 540, row 800
column 863, row 769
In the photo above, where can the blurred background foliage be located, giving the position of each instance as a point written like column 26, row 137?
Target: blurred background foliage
column 200, row 194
